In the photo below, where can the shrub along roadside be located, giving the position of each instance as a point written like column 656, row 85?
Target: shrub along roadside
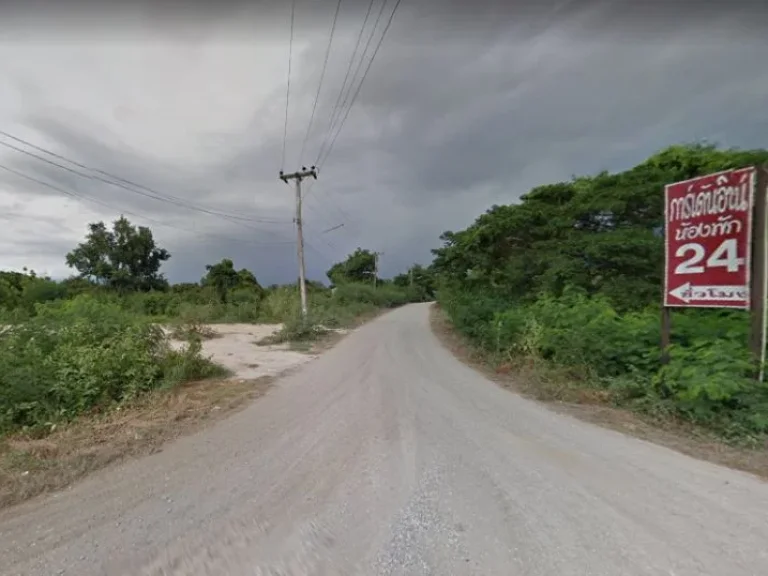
column 588, row 343
column 81, row 355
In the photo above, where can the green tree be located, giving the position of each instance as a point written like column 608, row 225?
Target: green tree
column 75, row 285
column 358, row 267
column 222, row 277
column 9, row 296
column 418, row 277
column 25, row 289
column 125, row 258
column 246, row 279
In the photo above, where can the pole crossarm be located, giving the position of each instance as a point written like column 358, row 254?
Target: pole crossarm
column 300, row 175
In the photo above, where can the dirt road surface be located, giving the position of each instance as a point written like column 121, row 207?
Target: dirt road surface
column 388, row 456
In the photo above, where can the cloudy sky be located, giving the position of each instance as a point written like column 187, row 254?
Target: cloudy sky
column 466, row 105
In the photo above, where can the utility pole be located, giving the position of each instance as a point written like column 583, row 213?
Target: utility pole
column 376, row 267
column 298, row 177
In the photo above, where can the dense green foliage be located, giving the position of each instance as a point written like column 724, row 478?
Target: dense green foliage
column 93, row 341
column 223, row 277
column 124, row 258
column 572, row 275
column 359, row 266
column 418, row 278
column 78, row 354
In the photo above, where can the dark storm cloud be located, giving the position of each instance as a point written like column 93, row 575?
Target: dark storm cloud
column 502, row 123
column 471, row 111
column 255, row 239
column 457, row 18
column 467, row 104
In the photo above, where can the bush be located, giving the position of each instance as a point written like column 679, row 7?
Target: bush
column 280, row 304
column 296, row 329
column 383, row 296
column 82, row 354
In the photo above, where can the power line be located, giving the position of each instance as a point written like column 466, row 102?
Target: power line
column 349, row 69
column 234, row 220
column 359, row 86
column 163, row 197
column 354, row 76
column 323, row 155
column 79, row 196
column 322, row 76
column 330, row 201
column 288, row 89
column 128, row 185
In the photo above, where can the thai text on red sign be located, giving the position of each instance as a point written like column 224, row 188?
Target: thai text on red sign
column 708, row 227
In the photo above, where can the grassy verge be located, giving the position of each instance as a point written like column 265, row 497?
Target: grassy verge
column 31, row 465
column 567, row 390
column 84, row 382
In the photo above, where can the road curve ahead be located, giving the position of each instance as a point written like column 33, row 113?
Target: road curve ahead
column 386, row 456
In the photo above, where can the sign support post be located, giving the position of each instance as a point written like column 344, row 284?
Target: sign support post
column 758, row 281
column 666, row 333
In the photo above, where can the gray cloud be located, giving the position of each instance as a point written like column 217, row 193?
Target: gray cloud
column 462, row 109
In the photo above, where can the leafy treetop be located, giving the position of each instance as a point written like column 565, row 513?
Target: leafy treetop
column 358, row 267
column 125, row 258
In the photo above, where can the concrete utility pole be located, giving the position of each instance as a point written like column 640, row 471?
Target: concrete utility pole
column 298, row 177
column 376, row 267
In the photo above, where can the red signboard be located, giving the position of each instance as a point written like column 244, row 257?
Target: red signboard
column 707, row 240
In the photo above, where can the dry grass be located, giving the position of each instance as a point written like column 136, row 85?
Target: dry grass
column 193, row 329
column 564, row 392
column 332, row 336
column 30, row 466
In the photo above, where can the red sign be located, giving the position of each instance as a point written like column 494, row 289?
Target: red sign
column 707, row 239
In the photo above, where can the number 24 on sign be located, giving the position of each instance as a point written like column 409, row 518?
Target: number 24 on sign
column 707, row 240
column 726, row 255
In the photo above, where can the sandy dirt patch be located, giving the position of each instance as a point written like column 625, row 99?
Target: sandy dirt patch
column 234, row 347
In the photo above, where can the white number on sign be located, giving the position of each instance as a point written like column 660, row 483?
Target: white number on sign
column 690, row 266
column 724, row 256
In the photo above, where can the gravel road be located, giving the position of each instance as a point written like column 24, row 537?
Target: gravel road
column 388, row 456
